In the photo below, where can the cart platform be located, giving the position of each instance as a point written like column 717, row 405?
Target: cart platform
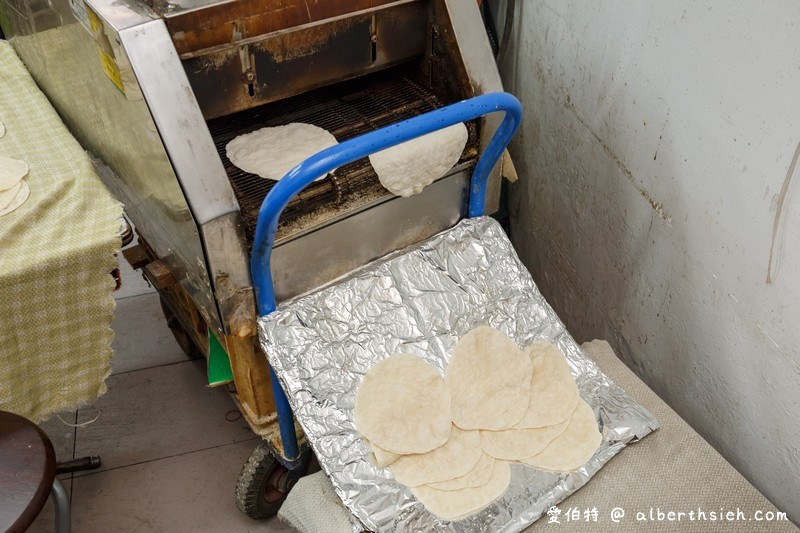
column 420, row 301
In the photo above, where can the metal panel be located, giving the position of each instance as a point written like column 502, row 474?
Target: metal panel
column 248, row 72
column 88, row 76
column 476, row 54
column 201, row 24
column 303, row 264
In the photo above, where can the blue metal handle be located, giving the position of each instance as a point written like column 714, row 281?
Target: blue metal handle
column 325, row 161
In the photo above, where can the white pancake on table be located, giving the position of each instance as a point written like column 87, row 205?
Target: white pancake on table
column 19, row 199
column 11, row 172
column 7, row 195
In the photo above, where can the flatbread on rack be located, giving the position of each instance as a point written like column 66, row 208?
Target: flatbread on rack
column 409, row 167
column 274, row 151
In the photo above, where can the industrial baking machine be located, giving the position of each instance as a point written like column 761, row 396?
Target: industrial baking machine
column 155, row 89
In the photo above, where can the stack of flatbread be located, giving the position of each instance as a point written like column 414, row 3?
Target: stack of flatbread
column 451, row 440
column 13, row 189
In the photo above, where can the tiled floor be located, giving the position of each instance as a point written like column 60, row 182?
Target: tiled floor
column 170, row 456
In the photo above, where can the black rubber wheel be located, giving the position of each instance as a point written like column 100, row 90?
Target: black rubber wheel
column 264, row 483
column 181, row 337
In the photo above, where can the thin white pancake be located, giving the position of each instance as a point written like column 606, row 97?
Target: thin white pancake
column 457, row 457
column 456, row 504
column 272, row 152
column 403, row 405
column 574, row 447
column 515, row 444
column 489, row 379
column 409, row 167
column 480, row 474
column 19, row 199
column 11, row 172
column 554, row 394
column 382, row 458
column 7, row 195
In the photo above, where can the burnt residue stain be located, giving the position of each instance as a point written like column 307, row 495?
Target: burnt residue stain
column 661, row 135
column 658, row 207
column 774, row 263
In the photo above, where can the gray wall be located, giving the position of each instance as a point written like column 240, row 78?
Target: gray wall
column 657, row 204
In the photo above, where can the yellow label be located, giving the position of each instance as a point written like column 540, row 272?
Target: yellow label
column 111, row 70
column 94, row 21
column 109, row 64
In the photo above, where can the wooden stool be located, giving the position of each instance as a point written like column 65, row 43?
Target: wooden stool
column 28, row 475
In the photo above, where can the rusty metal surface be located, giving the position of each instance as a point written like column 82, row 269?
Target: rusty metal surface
column 250, row 71
column 346, row 110
column 200, row 24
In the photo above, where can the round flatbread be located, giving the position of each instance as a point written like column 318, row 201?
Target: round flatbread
column 489, row 379
column 515, row 444
column 272, row 152
column 7, row 195
column 11, row 172
column 382, row 458
column 409, row 167
column 480, row 474
column 457, row 504
column 19, row 199
column 457, row 457
column 574, row 447
column 403, row 406
column 553, row 393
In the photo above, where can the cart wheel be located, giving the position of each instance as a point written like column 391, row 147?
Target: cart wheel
column 264, row 483
column 181, row 337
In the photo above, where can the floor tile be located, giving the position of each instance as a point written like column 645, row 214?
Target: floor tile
column 60, row 428
column 141, row 336
column 155, row 413
column 191, row 492
column 45, row 522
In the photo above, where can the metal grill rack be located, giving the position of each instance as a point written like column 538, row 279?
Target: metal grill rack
column 346, row 110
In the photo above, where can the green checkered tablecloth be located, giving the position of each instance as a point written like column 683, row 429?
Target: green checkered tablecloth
column 56, row 255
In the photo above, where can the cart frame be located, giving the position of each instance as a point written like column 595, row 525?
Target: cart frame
column 325, row 161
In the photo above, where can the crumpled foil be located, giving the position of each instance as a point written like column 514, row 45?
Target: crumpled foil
column 420, row 301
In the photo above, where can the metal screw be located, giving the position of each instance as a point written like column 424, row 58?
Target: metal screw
column 249, row 76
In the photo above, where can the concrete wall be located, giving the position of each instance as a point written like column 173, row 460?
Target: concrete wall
column 658, row 206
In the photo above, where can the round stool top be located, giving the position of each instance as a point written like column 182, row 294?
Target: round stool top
column 27, row 469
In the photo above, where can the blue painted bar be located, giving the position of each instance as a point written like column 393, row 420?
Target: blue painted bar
column 323, row 162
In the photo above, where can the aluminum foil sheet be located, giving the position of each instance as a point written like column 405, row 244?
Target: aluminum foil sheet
column 421, row 301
